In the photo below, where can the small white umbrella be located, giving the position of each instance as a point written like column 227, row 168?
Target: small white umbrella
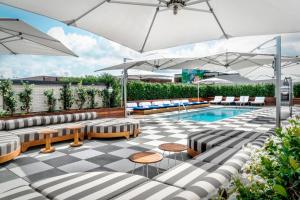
column 17, row 37
column 214, row 81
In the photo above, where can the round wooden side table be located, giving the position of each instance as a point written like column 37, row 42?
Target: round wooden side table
column 47, row 135
column 174, row 148
column 75, row 128
column 145, row 158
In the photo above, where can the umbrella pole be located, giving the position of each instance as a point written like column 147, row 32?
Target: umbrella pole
column 278, row 81
column 125, row 91
column 198, row 91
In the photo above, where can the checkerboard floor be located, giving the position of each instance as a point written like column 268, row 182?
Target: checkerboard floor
column 112, row 154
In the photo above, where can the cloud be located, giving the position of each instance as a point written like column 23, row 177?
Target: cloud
column 96, row 52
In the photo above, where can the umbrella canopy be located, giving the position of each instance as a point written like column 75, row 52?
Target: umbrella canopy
column 222, row 62
column 146, row 25
column 214, row 81
column 17, row 37
column 141, row 74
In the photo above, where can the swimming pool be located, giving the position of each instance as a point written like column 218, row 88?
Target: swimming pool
column 211, row 114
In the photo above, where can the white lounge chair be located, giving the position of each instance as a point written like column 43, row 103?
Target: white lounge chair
column 228, row 100
column 243, row 100
column 258, row 101
column 216, row 100
column 130, row 106
column 157, row 103
column 145, row 104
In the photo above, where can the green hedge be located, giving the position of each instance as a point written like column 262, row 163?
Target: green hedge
column 297, row 90
column 145, row 91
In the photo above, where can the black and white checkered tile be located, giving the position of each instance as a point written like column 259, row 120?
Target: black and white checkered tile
column 112, row 154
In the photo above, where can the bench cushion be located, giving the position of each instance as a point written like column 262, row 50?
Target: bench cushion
column 89, row 185
column 151, row 190
column 8, row 143
column 57, row 119
column 23, row 192
column 217, row 155
column 23, row 122
column 186, row 174
column 2, row 125
column 115, row 126
column 28, row 134
column 84, row 116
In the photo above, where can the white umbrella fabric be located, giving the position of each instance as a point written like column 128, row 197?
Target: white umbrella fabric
column 145, row 25
column 142, row 74
column 214, row 81
column 17, row 37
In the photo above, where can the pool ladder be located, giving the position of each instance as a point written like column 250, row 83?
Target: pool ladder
column 178, row 116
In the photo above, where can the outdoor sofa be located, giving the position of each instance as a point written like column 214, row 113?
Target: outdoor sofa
column 199, row 178
column 17, row 135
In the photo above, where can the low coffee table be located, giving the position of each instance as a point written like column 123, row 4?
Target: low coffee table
column 47, row 132
column 75, row 128
column 173, row 147
column 145, row 158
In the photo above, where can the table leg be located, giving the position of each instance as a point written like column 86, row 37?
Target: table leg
column 175, row 158
column 169, row 161
column 157, row 170
column 147, row 170
column 48, row 148
column 133, row 168
column 76, row 142
column 181, row 155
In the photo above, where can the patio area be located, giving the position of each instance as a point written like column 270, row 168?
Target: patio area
column 112, row 154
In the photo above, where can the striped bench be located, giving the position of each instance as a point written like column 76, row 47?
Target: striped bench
column 9, row 146
column 115, row 128
column 22, row 193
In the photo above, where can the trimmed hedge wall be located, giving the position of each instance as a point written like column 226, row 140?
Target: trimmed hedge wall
column 297, row 90
column 146, row 91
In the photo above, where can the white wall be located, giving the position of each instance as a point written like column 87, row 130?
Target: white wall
column 39, row 100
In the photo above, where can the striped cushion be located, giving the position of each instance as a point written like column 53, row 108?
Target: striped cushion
column 23, row 122
column 23, row 192
column 91, row 185
column 2, row 125
column 62, row 131
column 186, row 174
column 84, row 116
column 217, row 155
column 114, row 126
column 207, row 139
column 151, row 190
column 57, row 119
column 8, row 143
column 28, row 134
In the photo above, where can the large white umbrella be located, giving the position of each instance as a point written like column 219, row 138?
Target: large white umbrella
column 146, row 25
column 17, row 37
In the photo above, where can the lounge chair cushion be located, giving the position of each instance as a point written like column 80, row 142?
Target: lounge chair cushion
column 22, row 192
column 186, row 174
column 23, row 122
column 89, row 185
column 151, row 190
column 8, row 143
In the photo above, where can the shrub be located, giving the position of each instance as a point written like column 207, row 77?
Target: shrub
column 274, row 171
column 144, row 91
column 25, row 97
column 51, row 100
column 81, row 95
column 9, row 99
column 91, row 94
column 66, row 96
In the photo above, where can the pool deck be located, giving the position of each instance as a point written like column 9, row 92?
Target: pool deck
column 112, row 154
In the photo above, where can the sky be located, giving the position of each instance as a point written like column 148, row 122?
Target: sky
column 96, row 52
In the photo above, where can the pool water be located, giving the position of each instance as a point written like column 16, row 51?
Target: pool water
column 211, row 115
